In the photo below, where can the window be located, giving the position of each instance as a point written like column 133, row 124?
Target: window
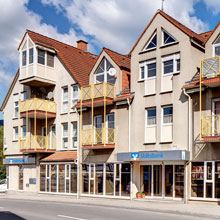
column 168, row 115
column 142, row 73
column 31, row 55
column 20, row 177
column 152, row 42
column 148, row 69
column 217, row 47
column 151, row 70
column 24, row 58
column 23, row 96
column 65, row 100
column 75, row 94
column 151, row 116
column 167, row 38
column 65, row 136
column 102, row 73
column 50, row 59
column 15, row 133
column 23, row 131
column 16, row 105
column 74, row 135
column 41, row 57
column 171, row 64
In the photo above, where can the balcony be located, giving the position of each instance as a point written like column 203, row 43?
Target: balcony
column 98, row 138
column 210, row 128
column 97, row 94
column 210, row 71
column 36, row 143
column 40, row 108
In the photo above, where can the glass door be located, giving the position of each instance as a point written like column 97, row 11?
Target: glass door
column 91, row 178
column 209, row 180
column 98, row 129
column 157, row 180
column 110, row 118
column 147, row 179
column 168, row 181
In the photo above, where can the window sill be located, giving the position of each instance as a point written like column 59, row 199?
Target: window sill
column 167, row 45
column 147, row 95
column 15, row 140
column 15, row 118
column 176, row 73
column 149, row 143
column 161, row 93
column 165, row 142
column 64, row 113
column 149, row 50
column 141, row 81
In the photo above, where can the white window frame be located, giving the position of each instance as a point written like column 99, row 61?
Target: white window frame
column 173, row 57
column 65, row 101
column 16, row 106
column 215, row 45
column 162, row 38
column 149, row 41
column 22, row 131
column 145, row 65
column 74, row 100
column 146, row 118
column 162, row 115
column 65, row 136
column 14, row 133
column 72, row 141
column 29, row 55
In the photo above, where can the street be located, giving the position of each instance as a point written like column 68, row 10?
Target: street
column 34, row 210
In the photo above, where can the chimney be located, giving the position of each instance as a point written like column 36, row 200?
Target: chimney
column 81, row 44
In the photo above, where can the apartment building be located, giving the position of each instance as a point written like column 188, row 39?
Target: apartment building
column 41, row 129
column 204, row 91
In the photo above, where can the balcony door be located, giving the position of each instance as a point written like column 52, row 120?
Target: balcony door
column 98, row 129
column 216, row 117
column 110, row 126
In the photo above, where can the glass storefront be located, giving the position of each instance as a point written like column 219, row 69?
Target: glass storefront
column 163, row 180
column 58, row 178
column 21, row 178
column 106, row 179
column 205, row 180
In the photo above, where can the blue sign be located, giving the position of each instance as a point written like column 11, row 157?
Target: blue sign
column 135, row 156
column 26, row 160
column 151, row 155
column 12, row 160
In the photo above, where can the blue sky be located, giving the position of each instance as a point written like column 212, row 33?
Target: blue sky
column 110, row 23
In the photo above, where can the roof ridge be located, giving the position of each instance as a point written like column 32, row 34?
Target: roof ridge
column 87, row 52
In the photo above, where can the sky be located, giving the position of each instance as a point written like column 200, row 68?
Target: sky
column 115, row 24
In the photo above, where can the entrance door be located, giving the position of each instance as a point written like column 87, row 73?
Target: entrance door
column 147, row 179
column 209, row 180
column 98, row 129
column 157, row 180
column 168, row 181
column 216, row 117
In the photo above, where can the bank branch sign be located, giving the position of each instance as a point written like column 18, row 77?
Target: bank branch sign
column 135, row 156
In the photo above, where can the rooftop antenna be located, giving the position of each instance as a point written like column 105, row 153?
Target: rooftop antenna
column 162, row 5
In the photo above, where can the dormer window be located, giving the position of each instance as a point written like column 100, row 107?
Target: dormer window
column 24, row 58
column 102, row 73
column 31, row 55
column 41, row 57
column 217, row 47
column 44, row 56
column 152, row 43
column 167, row 38
column 50, row 59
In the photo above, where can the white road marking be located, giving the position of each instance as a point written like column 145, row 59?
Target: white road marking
column 65, row 216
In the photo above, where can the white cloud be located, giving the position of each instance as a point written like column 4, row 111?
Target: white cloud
column 118, row 24
column 213, row 5
column 5, row 77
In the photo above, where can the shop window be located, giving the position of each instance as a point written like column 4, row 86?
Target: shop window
column 197, row 179
column 217, row 180
column 99, row 179
column 117, row 179
column 42, row 178
column 146, row 172
column 157, row 178
column 109, row 182
column 73, row 178
column 169, row 180
column 21, row 178
column 125, row 179
column 61, row 178
column 53, row 178
column 85, row 178
column 179, row 181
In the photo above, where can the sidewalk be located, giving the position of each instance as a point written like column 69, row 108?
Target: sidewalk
column 211, row 210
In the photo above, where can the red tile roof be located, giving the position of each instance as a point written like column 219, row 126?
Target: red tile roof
column 123, row 61
column 61, row 156
column 199, row 38
column 78, row 62
column 206, row 35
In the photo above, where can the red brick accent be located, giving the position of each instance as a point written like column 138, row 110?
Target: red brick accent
column 82, row 45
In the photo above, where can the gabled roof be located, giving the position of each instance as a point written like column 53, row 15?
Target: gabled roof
column 10, row 90
column 198, row 38
column 123, row 61
column 77, row 61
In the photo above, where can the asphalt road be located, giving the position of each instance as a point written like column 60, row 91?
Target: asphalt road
column 42, row 210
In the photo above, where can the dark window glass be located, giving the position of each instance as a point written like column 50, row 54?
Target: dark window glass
column 167, row 114
column 217, row 180
column 142, row 72
column 167, row 38
column 53, row 178
column 21, row 177
column 42, row 178
column 178, row 65
column 151, row 70
column 168, row 67
column 151, row 116
column 61, row 178
column 217, row 51
column 99, row 179
column 73, row 178
column 41, row 56
column 24, row 58
column 50, row 59
column 179, row 181
column 153, row 43
column 31, row 56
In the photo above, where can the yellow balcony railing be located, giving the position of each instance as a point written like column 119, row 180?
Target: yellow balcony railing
column 97, row 91
column 36, row 142
column 210, row 67
column 37, row 104
column 98, row 136
column 210, row 126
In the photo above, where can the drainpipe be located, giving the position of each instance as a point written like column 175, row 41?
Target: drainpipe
column 129, row 125
column 189, row 142
column 78, row 159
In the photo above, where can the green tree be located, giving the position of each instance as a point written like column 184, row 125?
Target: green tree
column 2, row 167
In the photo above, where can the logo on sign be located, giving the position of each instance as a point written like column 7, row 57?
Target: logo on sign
column 11, row 160
column 134, row 156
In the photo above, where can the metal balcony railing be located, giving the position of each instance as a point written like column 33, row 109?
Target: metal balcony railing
column 98, row 91
column 210, row 67
column 38, row 105
column 36, row 142
column 210, row 126
column 98, row 136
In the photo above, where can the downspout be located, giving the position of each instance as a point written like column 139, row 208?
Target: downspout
column 189, row 142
